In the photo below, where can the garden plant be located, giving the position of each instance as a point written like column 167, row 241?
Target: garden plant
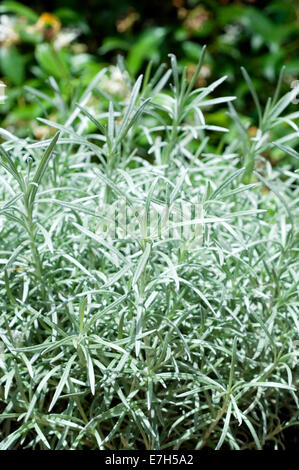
column 178, row 329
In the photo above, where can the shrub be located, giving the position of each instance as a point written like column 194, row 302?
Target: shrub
column 148, row 338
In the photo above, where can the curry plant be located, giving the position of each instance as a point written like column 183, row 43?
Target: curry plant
column 149, row 273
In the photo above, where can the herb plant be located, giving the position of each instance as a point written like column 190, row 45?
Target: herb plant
column 175, row 334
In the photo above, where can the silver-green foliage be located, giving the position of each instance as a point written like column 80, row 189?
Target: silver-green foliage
column 146, row 342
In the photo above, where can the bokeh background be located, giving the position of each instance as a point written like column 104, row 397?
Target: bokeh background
column 72, row 40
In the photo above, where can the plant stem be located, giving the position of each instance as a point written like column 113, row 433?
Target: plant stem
column 34, row 250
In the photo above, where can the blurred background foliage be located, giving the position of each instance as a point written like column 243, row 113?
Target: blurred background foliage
column 72, row 40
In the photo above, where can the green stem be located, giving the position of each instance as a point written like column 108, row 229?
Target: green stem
column 170, row 146
column 212, row 426
column 35, row 253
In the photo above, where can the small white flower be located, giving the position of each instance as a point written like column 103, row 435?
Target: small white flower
column 65, row 37
column 116, row 84
column 7, row 33
column 2, row 92
column 232, row 32
column 205, row 71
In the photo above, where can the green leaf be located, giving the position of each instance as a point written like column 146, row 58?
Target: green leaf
column 145, row 47
column 62, row 381
column 92, row 119
column 12, row 65
column 82, row 309
column 41, row 169
column 112, row 44
column 141, row 264
column 19, row 9
column 53, row 62
column 225, row 428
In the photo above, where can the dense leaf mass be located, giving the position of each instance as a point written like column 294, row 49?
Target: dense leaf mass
column 156, row 337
